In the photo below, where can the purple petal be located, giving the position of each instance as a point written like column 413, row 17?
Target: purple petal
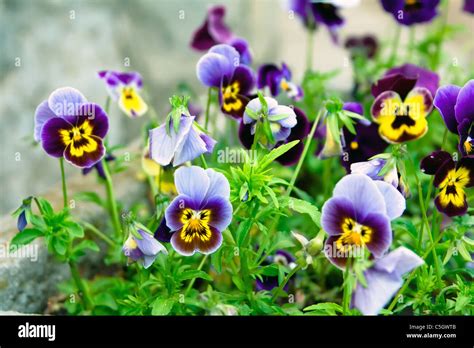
column 190, row 148
column 208, row 141
column 66, row 101
column 86, row 154
column 464, row 109
column 42, row 114
column 444, row 101
column 50, row 138
column 468, row 6
column 354, row 107
column 333, row 213
column 221, row 212
column 381, row 236
column 212, row 68
column 424, row 77
column 394, row 200
column 97, row 117
column 148, row 245
column 218, row 185
column 399, row 261
column 243, row 48
column 163, row 232
column 196, row 244
column 192, row 182
column 231, row 54
column 431, row 163
column 289, row 121
column 173, row 213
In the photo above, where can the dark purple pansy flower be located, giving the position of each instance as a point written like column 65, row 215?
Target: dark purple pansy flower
column 68, row 126
column 278, row 80
column 365, row 46
column 409, row 12
column 201, row 211
column 221, row 68
column 214, row 31
column 457, row 109
column 424, row 77
column 123, row 88
column 314, row 13
column 163, row 232
column 144, row 249
column 468, row 6
column 358, row 217
column 99, row 166
column 299, row 132
column 270, row 282
column 383, row 279
column 451, row 178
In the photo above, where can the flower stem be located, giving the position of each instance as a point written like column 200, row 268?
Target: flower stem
column 82, row 287
column 204, row 163
column 191, row 283
column 396, row 41
column 411, row 43
column 309, row 50
column 303, row 155
column 208, row 107
column 63, row 180
column 284, row 282
column 98, row 233
column 346, row 296
column 111, row 200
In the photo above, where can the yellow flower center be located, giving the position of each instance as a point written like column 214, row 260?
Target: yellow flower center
column 354, row 145
column 79, row 139
column 231, row 101
column 353, row 234
column 452, row 187
column 131, row 103
column 195, row 225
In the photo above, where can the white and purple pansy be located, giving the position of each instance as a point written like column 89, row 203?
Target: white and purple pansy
column 358, row 216
column 187, row 143
column 68, row 126
column 201, row 211
column 123, row 87
column 278, row 80
column 141, row 246
column 383, row 279
column 281, row 118
column 221, row 68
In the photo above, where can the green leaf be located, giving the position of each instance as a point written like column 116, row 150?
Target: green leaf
column 252, row 114
column 45, row 206
column 238, row 283
column 275, row 153
column 304, row 207
column 74, row 229
column 216, row 260
column 162, row 306
column 464, row 253
column 242, row 231
column 273, row 196
column 105, row 299
column 347, row 122
column 26, row 236
column 80, row 248
column 333, row 127
column 194, row 273
column 90, row 197
column 59, row 245
column 325, row 308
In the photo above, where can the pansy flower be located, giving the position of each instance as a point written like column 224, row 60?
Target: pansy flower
column 214, row 31
column 281, row 119
column 68, row 126
column 451, row 178
column 278, row 80
column 201, row 212
column 268, row 283
column 123, row 87
column 142, row 247
column 298, row 132
column 188, row 142
column 468, row 6
column 314, row 13
column 358, row 216
column 383, row 279
column 364, row 46
column 402, row 103
column 221, row 68
column 456, row 107
column 409, row 12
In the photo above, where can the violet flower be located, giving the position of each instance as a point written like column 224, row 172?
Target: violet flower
column 384, row 279
column 455, row 105
column 68, row 126
column 142, row 247
column 358, row 216
column 201, row 212
column 278, row 80
column 468, row 6
column 410, row 12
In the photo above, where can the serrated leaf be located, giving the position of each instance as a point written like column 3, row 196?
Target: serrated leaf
column 304, row 207
column 275, row 153
column 326, row 307
column 194, row 273
column 242, row 231
column 45, row 206
column 162, row 306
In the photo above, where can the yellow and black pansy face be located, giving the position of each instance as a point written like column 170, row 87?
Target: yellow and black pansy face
column 353, row 235
column 131, row 103
column 79, row 139
column 452, row 181
column 402, row 120
column 232, row 102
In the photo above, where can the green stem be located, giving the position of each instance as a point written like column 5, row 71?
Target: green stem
column 82, row 287
column 98, row 233
column 284, row 282
column 208, row 107
column 411, row 43
column 346, row 296
column 412, row 275
column 63, row 180
column 309, row 50
column 439, row 43
column 112, row 203
column 303, row 155
column 191, row 283
column 396, row 41
column 204, row 163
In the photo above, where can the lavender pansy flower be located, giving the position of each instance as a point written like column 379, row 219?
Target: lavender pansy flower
column 201, row 211
column 409, row 12
column 142, row 247
column 384, row 278
column 358, row 217
column 373, row 168
column 188, row 142
column 123, row 88
column 455, row 105
column 278, row 80
column 281, row 118
column 298, row 132
column 68, row 126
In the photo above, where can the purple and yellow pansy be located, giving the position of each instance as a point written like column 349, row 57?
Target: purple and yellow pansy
column 68, row 126
column 123, row 87
column 358, row 216
column 410, row 12
column 278, row 80
column 451, row 178
column 200, row 213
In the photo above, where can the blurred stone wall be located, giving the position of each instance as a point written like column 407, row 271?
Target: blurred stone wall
column 46, row 44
